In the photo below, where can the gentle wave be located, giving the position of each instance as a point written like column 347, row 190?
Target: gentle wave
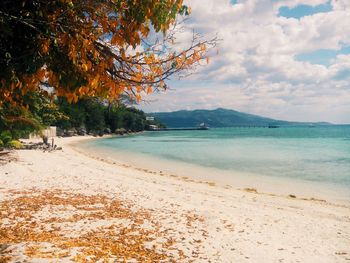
column 319, row 154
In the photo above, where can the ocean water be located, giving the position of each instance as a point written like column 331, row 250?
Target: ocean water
column 318, row 154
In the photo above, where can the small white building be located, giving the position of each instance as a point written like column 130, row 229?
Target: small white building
column 49, row 132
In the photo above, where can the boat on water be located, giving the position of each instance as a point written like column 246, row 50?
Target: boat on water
column 203, row 126
column 273, row 126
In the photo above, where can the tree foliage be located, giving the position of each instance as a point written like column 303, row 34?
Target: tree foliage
column 90, row 48
column 96, row 115
column 41, row 111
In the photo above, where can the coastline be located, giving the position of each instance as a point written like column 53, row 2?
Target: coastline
column 269, row 185
column 190, row 219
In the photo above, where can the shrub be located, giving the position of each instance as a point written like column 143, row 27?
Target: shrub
column 6, row 137
column 14, row 144
column 1, row 144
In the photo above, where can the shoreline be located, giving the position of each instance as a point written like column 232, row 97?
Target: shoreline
column 74, row 207
column 262, row 184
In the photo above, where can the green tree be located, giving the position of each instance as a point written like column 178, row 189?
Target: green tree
column 40, row 112
column 74, row 112
column 95, row 118
column 114, row 116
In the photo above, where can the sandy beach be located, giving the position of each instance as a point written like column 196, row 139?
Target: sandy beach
column 70, row 206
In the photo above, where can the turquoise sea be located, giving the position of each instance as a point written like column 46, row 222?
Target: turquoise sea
column 306, row 154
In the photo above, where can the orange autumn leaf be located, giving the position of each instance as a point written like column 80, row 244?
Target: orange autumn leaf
column 92, row 44
column 85, row 67
column 41, row 74
column 45, row 46
column 115, row 39
column 69, row 97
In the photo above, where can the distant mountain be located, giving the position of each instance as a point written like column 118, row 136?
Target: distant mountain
column 218, row 118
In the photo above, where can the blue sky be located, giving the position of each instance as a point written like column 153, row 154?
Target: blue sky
column 285, row 59
column 302, row 10
column 323, row 56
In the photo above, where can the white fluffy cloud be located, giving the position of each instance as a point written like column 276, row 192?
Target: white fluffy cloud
column 256, row 68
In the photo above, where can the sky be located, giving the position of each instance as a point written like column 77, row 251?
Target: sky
column 284, row 59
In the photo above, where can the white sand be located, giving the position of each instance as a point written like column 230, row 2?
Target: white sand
column 202, row 221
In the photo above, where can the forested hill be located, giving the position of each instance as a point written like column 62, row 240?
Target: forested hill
column 217, row 118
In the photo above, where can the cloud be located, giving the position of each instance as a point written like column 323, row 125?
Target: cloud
column 257, row 68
